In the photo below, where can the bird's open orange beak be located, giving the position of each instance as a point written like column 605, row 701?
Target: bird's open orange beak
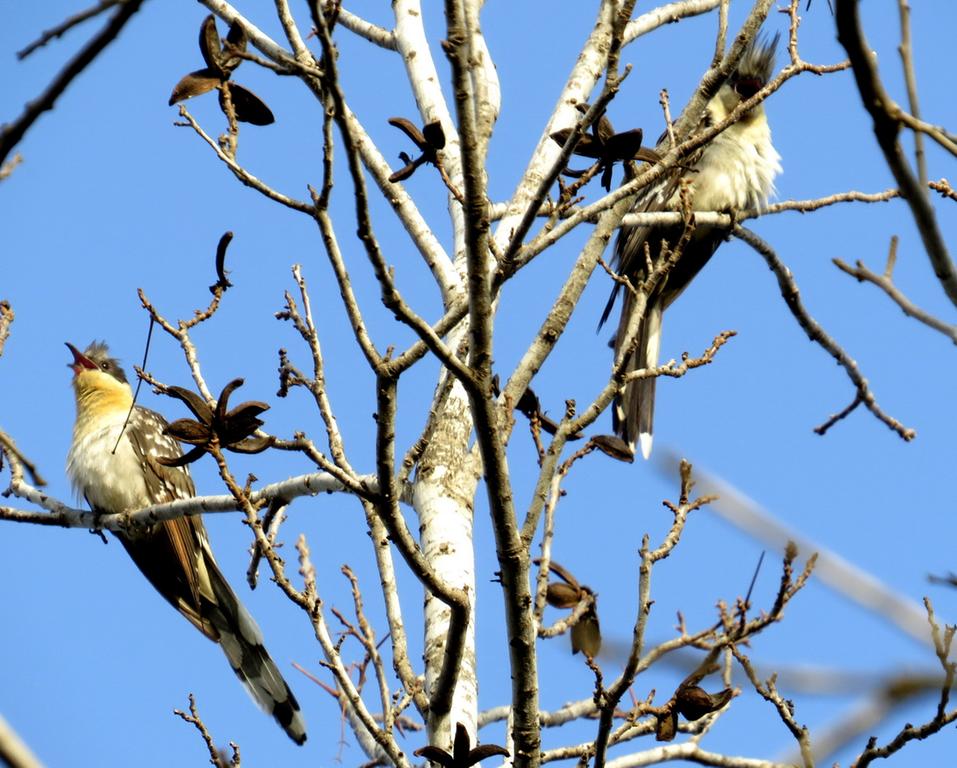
column 80, row 361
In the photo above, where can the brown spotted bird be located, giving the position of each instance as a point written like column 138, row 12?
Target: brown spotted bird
column 174, row 554
column 735, row 171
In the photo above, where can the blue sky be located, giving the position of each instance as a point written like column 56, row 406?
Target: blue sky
column 111, row 197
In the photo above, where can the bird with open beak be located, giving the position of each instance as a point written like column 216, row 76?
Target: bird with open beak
column 113, row 463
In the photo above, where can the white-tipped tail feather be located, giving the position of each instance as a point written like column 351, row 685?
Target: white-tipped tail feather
column 242, row 642
column 116, row 463
column 634, row 413
column 735, row 171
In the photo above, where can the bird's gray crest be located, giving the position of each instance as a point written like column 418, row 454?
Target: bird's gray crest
column 99, row 353
column 758, row 59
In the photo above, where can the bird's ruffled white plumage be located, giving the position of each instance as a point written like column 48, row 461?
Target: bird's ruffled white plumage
column 736, row 171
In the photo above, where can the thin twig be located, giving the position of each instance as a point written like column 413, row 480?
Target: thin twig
column 860, row 587
column 613, row 695
column 306, row 326
column 721, row 38
column 7, row 168
column 887, row 116
column 944, row 188
column 886, row 283
column 785, row 709
column 814, row 331
column 66, row 25
column 241, row 173
column 373, row 738
column 12, row 133
column 942, row 645
column 366, row 636
column 498, row 210
column 216, row 757
column 910, row 77
column 18, row 461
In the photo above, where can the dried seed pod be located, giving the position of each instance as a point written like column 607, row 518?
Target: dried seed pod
column 210, row 46
column 461, row 755
column 193, row 401
column 694, row 702
column 188, row 431
column 586, row 635
column 587, row 145
column 220, row 63
column 614, row 446
column 236, row 42
column 434, row 135
column 666, row 726
column 624, row 145
column 194, row 84
column 410, row 129
column 233, row 429
column 249, row 108
column 559, row 595
column 181, row 461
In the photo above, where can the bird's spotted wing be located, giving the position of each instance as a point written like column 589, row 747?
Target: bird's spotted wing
column 163, row 483
column 171, row 554
column 177, row 559
column 629, row 260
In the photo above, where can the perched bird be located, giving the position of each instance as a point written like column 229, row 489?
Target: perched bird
column 174, row 555
column 735, row 171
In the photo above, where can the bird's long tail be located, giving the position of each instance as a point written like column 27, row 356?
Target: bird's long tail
column 242, row 642
column 176, row 558
column 634, row 413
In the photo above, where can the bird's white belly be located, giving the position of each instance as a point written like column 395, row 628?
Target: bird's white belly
column 734, row 174
column 110, row 482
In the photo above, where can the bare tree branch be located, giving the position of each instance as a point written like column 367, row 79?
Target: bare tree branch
column 12, row 133
column 422, row 504
column 910, row 77
column 217, row 757
column 375, row 34
column 885, row 282
column 363, row 718
column 66, row 25
column 61, row 515
column 791, row 295
column 942, row 644
column 241, row 173
column 887, row 118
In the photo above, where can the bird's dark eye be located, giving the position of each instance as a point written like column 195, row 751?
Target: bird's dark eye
column 105, row 365
column 746, row 87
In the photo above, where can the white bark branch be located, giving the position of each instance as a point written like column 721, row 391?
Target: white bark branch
column 375, row 34
column 69, row 517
